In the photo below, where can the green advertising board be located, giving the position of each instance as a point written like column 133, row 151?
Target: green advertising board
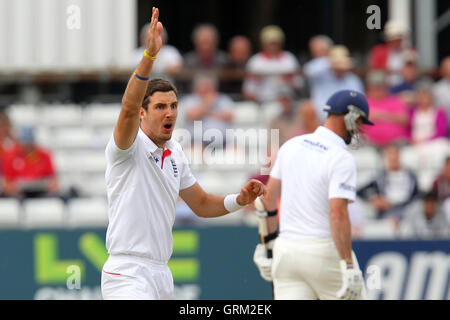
column 207, row 263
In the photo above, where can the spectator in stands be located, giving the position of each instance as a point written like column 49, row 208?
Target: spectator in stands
column 239, row 51
column 28, row 169
column 206, row 55
column 390, row 56
column 306, row 120
column 441, row 89
column 169, row 60
column 329, row 75
column 393, row 190
column 319, row 48
column 208, row 105
column 388, row 112
column 285, row 121
column 410, row 76
column 441, row 185
column 7, row 138
column 428, row 122
column 426, row 220
column 271, row 68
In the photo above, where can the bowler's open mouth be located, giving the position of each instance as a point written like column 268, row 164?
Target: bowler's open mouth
column 168, row 126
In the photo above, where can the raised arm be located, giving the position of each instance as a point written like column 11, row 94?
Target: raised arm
column 127, row 125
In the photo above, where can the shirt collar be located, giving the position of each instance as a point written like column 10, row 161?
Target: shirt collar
column 330, row 135
column 269, row 57
column 151, row 146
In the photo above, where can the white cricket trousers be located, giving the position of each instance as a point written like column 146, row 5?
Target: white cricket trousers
column 126, row 277
column 306, row 269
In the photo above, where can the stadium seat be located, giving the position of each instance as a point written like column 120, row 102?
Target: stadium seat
column 76, row 137
column 62, row 161
column 270, row 111
column 101, row 137
column 44, row 213
column 9, row 212
column 102, row 114
column 436, row 152
column 246, row 113
column 367, row 158
column 409, row 158
column 378, row 229
column 60, row 115
column 88, row 212
column 91, row 184
column 425, row 178
column 89, row 161
column 430, row 155
column 221, row 183
column 67, row 180
column 43, row 136
column 22, row 114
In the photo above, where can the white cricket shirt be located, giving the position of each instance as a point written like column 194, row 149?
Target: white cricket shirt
column 313, row 169
column 142, row 188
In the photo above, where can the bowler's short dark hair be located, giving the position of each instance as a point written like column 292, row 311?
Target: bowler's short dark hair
column 157, row 85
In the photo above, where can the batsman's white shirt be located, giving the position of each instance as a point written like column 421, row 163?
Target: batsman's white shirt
column 142, row 189
column 313, row 168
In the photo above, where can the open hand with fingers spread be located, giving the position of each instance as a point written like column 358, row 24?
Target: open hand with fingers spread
column 154, row 40
column 250, row 191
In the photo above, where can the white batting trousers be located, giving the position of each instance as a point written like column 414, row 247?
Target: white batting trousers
column 126, row 277
column 307, row 269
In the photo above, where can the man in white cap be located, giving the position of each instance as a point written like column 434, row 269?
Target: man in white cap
column 271, row 67
column 333, row 75
column 391, row 55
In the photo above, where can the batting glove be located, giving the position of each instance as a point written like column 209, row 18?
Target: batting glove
column 263, row 263
column 352, row 283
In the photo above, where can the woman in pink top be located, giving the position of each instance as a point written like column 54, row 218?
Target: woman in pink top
column 428, row 122
column 388, row 112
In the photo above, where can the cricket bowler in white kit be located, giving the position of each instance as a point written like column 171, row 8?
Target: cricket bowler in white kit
column 315, row 175
column 146, row 172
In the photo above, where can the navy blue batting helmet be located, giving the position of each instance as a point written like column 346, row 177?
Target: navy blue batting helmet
column 342, row 100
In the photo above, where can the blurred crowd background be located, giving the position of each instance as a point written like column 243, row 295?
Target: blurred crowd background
column 255, row 64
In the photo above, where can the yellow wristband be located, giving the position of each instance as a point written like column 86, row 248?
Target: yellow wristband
column 153, row 58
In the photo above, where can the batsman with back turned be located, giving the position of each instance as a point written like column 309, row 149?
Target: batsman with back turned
column 315, row 176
